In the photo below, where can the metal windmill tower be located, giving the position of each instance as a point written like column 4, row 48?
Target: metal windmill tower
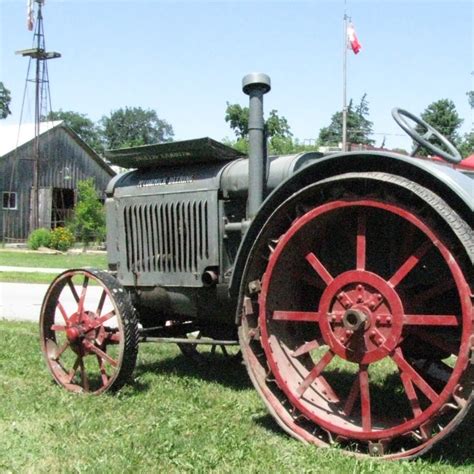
column 37, row 74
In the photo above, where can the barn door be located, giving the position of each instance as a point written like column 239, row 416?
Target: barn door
column 45, row 198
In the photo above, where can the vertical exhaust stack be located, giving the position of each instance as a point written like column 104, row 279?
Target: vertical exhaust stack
column 255, row 85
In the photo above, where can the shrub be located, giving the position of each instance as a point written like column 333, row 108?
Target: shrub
column 61, row 239
column 39, row 238
column 89, row 215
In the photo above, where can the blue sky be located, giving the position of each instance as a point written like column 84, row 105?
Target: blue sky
column 186, row 59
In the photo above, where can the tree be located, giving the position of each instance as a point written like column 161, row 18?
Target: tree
column 238, row 118
column 89, row 216
column 470, row 95
column 359, row 127
column 5, row 99
column 443, row 116
column 466, row 146
column 134, row 126
column 81, row 124
column 277, row 128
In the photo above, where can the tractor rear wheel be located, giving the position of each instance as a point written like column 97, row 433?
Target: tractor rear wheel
column 357, row 316
column 89, row 331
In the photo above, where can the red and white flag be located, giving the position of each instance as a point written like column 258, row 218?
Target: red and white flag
column 29, row 15
column 352, row 39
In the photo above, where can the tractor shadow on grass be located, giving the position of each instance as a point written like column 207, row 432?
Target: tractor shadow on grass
column 229, row 372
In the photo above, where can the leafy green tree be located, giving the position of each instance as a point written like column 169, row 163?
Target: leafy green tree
column 470, row 95
column 359, row 127
column 278, row 130
column 466, row 146
column 89, row 216
column 5, row 99
column 81, row 124
column 134, row 126
column 238, row 118
column 443, row 116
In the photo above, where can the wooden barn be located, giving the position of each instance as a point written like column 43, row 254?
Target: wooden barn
column 65, row 159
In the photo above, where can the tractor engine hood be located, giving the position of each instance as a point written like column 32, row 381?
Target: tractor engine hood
column 201, row 164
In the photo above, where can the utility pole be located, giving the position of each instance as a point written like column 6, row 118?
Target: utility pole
column 41, row 80
column 344, row 84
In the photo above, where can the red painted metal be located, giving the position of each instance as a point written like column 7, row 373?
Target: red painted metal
column 376, row 301
column 76, row 340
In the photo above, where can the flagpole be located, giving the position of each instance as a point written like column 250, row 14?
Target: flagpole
column 344, row 85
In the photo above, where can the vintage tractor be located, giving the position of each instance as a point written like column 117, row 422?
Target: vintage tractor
column 346, row 279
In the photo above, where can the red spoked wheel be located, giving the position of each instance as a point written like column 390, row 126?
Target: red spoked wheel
column 89, row 331
column 360, row 332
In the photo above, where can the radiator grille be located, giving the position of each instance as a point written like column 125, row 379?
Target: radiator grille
column 167, row 237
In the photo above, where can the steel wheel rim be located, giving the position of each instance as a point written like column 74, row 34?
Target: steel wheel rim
column 72, row 330
column 270, row 346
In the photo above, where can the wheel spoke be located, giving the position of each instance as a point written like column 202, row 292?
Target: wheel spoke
column 352, row 397
column 361, row 241
column 103, row 373
column 365, row 398
column 73, row 371
column 59, row 353
column 417, row 379
column 305, row 316
column 62, row 311
column 102, row 319
column 319, row 268
column 101, row 303
column 430, row 320
column 84, row 378
column 411, row 393
column 314, row 373
column 409, row 264
column 305, row 348
column 58, row 327
column 103, row 355
column 80, row 306
column 73, row 289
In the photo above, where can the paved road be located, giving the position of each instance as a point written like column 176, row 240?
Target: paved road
column 5, row 268
column 22, row 301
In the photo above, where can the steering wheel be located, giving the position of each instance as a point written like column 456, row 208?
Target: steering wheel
column 399, row 116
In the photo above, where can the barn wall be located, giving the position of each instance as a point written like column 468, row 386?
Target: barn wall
column 64, row 161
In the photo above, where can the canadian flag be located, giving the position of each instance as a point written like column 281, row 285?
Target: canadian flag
column 352, row 39
column 29, row 15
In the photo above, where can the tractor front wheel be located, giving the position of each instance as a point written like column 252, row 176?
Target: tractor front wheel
column 89, row 331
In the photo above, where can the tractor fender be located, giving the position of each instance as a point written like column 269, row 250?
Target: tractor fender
column 450, row 184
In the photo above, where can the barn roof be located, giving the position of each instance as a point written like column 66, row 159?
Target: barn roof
column 13, row 135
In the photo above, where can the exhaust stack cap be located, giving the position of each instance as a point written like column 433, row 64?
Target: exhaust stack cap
column 256, row 80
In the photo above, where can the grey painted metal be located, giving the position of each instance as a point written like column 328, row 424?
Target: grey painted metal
column 450, row 184
column 452, row 155
column 201, row 150
column 255, row 85
column 167, row 239
column 235, row 176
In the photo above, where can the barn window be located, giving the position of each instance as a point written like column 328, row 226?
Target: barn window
column 9, row 201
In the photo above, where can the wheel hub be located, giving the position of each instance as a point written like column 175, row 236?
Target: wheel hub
column 80, row 331
column 362, row 317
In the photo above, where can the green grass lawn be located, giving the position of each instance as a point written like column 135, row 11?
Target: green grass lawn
column 38, row 259
column 41, row 260
column 174, row 417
